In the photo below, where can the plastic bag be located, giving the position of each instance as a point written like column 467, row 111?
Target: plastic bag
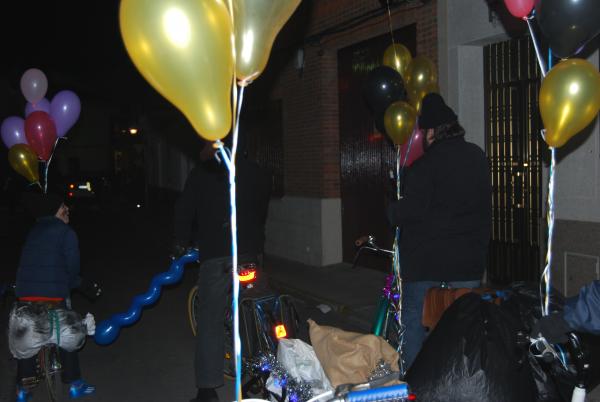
column 301, row 363
column 31, row 326
column 350, row 357
column 472, row 355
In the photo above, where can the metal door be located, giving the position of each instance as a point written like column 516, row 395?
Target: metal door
column 514, row 148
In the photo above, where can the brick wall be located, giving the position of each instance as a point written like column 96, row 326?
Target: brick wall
column 310, row 99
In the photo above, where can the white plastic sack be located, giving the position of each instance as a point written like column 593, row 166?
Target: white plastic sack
column 30, row 328
column 300, row 361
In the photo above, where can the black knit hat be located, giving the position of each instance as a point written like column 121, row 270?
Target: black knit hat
column 39, row 205
column 435, row 112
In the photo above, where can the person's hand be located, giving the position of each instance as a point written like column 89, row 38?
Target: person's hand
column 177, row 250
column 90, row 324
column 553, row 327
column 90, row 289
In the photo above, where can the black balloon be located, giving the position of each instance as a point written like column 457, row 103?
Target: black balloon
column 568, row 24
column 383, row 86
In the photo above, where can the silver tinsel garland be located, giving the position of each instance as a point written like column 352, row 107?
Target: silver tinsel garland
column 382, row 369
column 267, row 363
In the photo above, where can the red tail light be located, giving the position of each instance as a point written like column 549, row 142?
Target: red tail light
column 412, row 397
column 247, row 276
column 70, row 194
column 280, row 331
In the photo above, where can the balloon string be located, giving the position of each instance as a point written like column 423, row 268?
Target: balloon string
column 391, row 31
column 396, row 268
column 547, row 274
column 535, row 46
column 230, row 163
column 48, row 165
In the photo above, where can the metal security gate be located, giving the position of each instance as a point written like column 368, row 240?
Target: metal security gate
column 514, row 149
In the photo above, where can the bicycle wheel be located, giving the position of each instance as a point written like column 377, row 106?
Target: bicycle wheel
column 391, row 328
column 51, row 369
column 191, row 304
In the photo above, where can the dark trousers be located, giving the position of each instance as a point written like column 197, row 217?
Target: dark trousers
column 214, row 282
column 68, row 360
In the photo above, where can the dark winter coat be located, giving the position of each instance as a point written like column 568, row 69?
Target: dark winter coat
column 445, row 214
column 202, row 215
column 49, row 265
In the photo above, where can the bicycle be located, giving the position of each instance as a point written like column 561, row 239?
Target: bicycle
column 48, row 364
column 264, row 319
column 385, row 323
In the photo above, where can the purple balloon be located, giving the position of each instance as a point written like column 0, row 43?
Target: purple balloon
column 64, row 109
column 43, row 105
column 13, row 131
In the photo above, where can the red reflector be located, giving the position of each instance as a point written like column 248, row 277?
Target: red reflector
column 412, row 397
column 247, row 275
column 280, row 331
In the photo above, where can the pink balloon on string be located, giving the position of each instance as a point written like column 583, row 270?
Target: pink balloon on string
column 13, row 131
column 34, row 85
column 65, row 109
column 412, row 149
column 519, row 8
column 43, row 105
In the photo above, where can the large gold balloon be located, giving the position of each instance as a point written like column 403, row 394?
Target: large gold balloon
column 184, row 49
column 398, row 57
column 257, row 23
column 25, row 162
column 421, row 79
column 569, row 99
column 399, row 121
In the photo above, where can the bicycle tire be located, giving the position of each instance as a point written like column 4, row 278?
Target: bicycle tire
column 390, row 328
column 49, row 360
column 191, row 308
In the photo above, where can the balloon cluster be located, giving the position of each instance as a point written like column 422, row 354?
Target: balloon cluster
column 394, row 92
column 570, row 93
column 34, row 138
column 108, row 330
column 185, row 50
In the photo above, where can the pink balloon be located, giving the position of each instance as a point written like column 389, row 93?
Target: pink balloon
column 43, row 105
column 34, row 85
column 520, row 8
column 412, row 149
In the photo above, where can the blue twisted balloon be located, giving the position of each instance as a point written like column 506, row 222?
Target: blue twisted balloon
column 108, row 330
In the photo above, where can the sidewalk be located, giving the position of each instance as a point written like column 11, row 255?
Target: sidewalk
column 353, row 293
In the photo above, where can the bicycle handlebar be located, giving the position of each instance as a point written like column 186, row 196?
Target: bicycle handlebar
column 361, row 241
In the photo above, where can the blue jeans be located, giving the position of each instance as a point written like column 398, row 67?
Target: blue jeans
column 413, row 297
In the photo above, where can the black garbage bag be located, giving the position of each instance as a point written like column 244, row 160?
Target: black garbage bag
column 473, row 355
column 554, row 379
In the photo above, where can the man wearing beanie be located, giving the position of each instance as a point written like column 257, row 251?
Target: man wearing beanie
column 444, row 216
column 48, row 272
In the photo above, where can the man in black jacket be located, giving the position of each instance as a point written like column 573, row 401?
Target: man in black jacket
column 444, row 216
column 202, row 220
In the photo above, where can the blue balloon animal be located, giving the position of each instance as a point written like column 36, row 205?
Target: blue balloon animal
column 108, row 330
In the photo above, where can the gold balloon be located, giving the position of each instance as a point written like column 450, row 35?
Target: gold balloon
column 257, row 23
column 183, row 48
column 569, row 99
column 25, row 162
column 398, row 57
column 399, row 121
column 421, row 79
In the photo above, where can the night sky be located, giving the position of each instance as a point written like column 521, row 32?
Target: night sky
column 77, row 44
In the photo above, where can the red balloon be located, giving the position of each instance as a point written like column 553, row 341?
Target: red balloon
column 412, row 149
column 40, row 132
column 520, row 8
